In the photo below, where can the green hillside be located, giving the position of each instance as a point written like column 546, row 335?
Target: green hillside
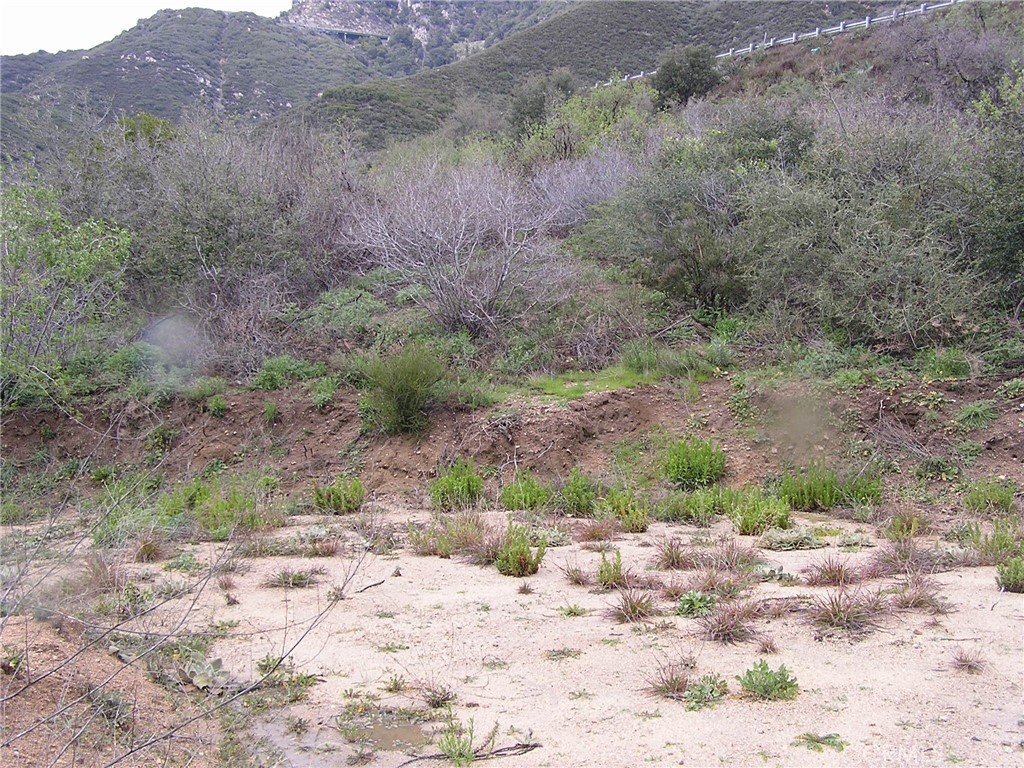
column 592, row 40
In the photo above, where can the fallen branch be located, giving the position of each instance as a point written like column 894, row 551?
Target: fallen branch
column 520, row 748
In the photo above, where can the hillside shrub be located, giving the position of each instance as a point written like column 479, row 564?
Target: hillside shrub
column 515, row 556
column 694, row 463
column 578, row 496
column 399, row 390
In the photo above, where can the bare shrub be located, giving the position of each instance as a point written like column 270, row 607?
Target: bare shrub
column 567, row 189
column 730, row 622
column 471, row 235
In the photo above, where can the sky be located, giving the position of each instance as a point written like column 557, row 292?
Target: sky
column 27, row 26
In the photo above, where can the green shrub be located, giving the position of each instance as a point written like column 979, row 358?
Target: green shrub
column 515, row 556
column 205, row 387
column 694, row 463
column 399, row 390
column 342, row 497
column 278, row 372
column 990, row 496
column 220, row 514
column 752, row 513
column 761, row 682
column 698, row 508
column 631, row 512
column 1005, row 541
column 695, row 604
column 787, row 541
column 977, row 415
column 458, row 487
column 524, row 493
column 578, row 496
column 322, row 391
column 217, row 406
column 819, row 488
column 1010, row 575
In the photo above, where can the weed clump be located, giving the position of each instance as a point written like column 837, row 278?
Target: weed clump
column 831, row 571
column 730, row 622
column 342, row 497
column 524, row 493
column 631, row 512
column 851, row 611
column 458, row 487
column 698, row 508
column 634, row 605
column 515, row 556
column 694, row 605
column 819, row 488
column 694, row 463
column 278, row 372
column 762, row 682
column 779, row 540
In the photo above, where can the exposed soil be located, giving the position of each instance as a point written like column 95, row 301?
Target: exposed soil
column 578, row 686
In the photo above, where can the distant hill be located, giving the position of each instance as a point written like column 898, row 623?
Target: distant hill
column 253, row 66
column 592, row 40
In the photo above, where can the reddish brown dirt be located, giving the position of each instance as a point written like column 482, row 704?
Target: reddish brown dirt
column 146, row 709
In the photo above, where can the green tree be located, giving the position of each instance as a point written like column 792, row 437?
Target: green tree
column 59, row 282
column 684, row 75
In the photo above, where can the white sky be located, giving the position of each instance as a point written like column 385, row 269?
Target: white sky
column 27, row 26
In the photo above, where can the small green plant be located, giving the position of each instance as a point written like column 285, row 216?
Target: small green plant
column 515, row 556
column 322, row 391
column 278, row 372
column 761, row 682
column 578, row 496
column 904, row 525
column 573, row 611
column 937, row 468
column 694, row 463
column 217, row 406
column 990, row 496
column 695, row 604
column 456, row 743
column 609, row 573
column 1006, row 540
column 458, row 487
column 342, row 497
column 271, row 413
column 524, row 493
column 706, row 692
column 561, row 654
column 1010, row 575
column 977, row 415
column 817, row 743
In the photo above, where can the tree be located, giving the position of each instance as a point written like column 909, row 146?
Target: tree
column 59, row 282
column 684, row 75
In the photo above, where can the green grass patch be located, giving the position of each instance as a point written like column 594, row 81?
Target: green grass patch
column 574, row 384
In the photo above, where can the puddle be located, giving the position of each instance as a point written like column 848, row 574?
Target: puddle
column 394, row 737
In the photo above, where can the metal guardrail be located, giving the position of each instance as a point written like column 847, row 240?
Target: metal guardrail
column 842, row 28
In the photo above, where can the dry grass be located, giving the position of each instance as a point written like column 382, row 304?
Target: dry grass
column 576, row 575
column 969, row 662
column 671, row 679
column 634, row 605
column 767, row 646
column 831, row 571
column 722, row 584
column 598, row 530
column 920, row 593
column 730, row 622
column 777, row 607
column 671, row 554
column 897, row 558
column 732, row 555
column 848, row 610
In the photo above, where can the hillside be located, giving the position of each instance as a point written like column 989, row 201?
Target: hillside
column 592, row 40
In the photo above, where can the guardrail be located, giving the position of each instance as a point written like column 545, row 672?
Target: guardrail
column 843, row 27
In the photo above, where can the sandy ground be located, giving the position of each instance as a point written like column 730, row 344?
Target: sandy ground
column 891, row 694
